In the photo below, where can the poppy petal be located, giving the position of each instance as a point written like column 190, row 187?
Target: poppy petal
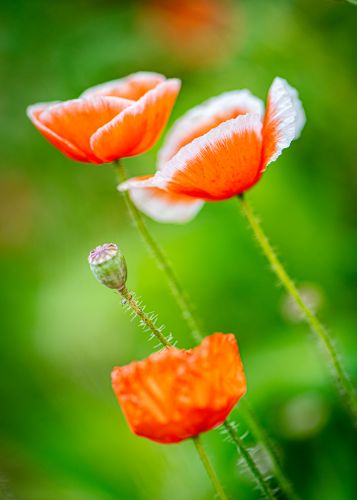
column 131, row 87
column 218, row 165
column 206, row 116
column 176, row 394
column 34, row 112
column 159, row 204
column 284, row 119
column 137, row 129
column 76, row 120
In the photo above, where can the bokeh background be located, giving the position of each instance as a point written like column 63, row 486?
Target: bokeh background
column 62, row 434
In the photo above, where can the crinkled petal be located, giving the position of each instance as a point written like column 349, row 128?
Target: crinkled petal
column 206, row 116
column 138, row 127
column 76, row 120
column 284, row 119
column 130, row 87
column 176, row 394
column 159, row 204
column 218, row 165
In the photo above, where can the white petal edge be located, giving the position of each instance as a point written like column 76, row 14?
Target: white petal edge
column 137, row 107
column 103, row 87
column 161, row 209
column 288, row 112
column 300, row 119
column 97, row 100
column 200, row 114
column 137, row 182
column 220, row 134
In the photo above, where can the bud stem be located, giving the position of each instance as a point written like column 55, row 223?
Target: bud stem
column 343, row 383
column 134, row 306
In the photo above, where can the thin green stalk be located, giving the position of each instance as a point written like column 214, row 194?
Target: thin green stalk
column 135, row 307
column 163, row 262
column 262, row 437
column 346, row 389
column 192, row 322
column 146, row 320
column 263, row 484
column 208, row 466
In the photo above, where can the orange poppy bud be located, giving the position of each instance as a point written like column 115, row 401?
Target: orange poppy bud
column 110, row 121
column 217, row 150
column 176, row 394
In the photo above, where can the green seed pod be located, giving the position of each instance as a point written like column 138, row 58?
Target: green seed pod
column 108, row 265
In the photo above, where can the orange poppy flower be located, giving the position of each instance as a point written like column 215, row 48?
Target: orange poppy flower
column 176, row 394
column 110, row 121
column 217, row 150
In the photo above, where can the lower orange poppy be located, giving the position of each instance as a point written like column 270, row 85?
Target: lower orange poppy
column 176, row 394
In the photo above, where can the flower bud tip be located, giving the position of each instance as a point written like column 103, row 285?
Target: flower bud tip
column 108, row 265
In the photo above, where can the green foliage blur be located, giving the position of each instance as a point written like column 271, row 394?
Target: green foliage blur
column 62, row 434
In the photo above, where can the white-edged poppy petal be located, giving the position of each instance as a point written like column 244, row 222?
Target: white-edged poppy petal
column 34, row 112
column 202, row 118
column 138, row 127
column 283, row 121
column 222, row 163
column 143, row 181
column 159, row 204
column 76, row 120
column 131, row 87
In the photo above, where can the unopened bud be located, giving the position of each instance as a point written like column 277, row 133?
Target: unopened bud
column 108, row 265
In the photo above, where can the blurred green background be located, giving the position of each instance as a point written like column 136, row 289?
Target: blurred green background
column 62, row 434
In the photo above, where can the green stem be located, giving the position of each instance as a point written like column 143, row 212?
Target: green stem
column 209, row 468
column 135, row 307
column 138, row 310
column 346, row 389
column 163, row 262
column 261, row 481
column 262, row 437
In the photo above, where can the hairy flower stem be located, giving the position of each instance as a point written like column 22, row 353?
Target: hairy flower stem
column 344, row 385
column 195, row 329
column 262, row 437
column 141, row 314
column 262, row 483
column 161, row 259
